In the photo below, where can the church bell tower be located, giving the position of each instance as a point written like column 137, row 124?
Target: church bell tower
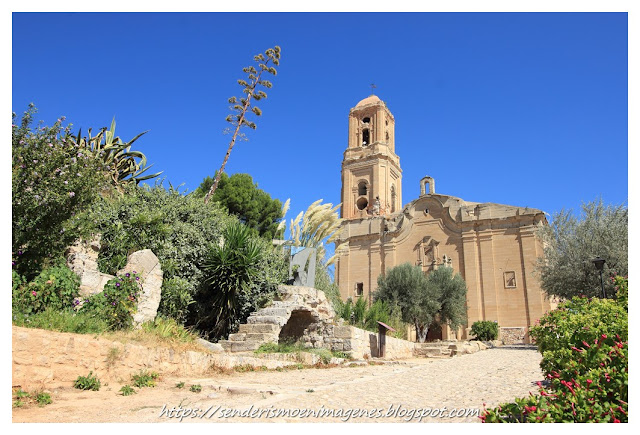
column 371, row 174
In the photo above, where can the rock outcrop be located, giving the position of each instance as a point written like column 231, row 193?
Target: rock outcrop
column 82, row 258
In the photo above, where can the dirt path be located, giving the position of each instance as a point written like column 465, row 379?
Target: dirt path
column 390, row 393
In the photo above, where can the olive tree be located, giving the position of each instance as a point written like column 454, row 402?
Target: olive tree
column 570, row 244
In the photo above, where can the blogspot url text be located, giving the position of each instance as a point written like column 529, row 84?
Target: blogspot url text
column 344, row 414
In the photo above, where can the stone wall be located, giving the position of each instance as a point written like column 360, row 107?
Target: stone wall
column 48, row 359
column 364, row 344
column 513, row 335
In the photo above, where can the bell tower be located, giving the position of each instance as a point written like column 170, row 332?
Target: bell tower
column 371, row 174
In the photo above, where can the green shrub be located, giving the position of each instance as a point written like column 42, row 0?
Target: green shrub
column 127, row 390
column 55, row 287
column 585, row 360
column 485, row 330
column 89, row 382
column 176, row 298
column 196, row 388
column 117, row 303
column 43, row 398
column 145, row 379
column 53, row 183
column 63, row 321
column 180, row 385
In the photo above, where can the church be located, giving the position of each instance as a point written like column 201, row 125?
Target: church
column 494, row 247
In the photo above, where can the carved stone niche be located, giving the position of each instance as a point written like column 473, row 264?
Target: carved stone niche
column 428, row 253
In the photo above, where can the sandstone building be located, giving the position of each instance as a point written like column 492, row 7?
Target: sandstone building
column 492, row 246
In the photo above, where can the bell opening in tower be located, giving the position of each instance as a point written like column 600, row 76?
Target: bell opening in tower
column 365, row 137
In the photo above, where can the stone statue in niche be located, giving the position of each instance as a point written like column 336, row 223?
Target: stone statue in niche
column 302, row 266
column 376, row 207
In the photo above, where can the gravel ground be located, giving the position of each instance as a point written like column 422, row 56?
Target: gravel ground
column 391, row 393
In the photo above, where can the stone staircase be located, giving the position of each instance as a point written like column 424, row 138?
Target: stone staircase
column 433, row 350
column 263, row 326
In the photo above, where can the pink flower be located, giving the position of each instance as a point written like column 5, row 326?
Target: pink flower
column 34, row 293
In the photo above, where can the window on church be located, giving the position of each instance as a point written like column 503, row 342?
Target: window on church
column 510, row 279
column 359, row 289
column 366, row 120
column 365, row 137
column 362, row 188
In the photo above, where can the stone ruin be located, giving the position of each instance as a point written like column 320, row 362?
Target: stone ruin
column 82, row 258
column 296, row 314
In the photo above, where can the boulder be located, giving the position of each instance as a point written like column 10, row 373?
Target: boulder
column 147, row 266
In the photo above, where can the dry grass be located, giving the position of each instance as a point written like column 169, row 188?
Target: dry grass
column 160, row 333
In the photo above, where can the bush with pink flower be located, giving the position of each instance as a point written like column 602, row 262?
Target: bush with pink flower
column 585, row 360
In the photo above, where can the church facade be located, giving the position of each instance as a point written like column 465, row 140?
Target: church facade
column 494, row 247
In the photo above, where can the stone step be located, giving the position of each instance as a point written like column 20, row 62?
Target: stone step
column 264, row 328
column 274, row 320
column 240, row 346
column 262, row 337
column 274, row 311
column 239, row 336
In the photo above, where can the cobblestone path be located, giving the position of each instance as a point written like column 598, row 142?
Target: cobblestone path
column 466, row 381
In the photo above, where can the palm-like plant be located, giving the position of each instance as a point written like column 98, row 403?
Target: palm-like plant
column 231, row 267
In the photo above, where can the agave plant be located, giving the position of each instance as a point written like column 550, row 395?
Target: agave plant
column 116, row 154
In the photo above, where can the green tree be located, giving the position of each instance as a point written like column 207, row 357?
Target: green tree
column 571, row 243
column 419, row 302
column 241, row 105
column 452, row 291
column 242, row 198
column 53, row 183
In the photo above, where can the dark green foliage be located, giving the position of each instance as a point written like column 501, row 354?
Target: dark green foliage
column 242, row 198
column 53, row 183
column 453, row 296
column 237, row 278
column 485, row 330
column 175, row 227
column 89, row 382
column 585, row 350
column 367, row 318
column 176, row 299
column 440, row 296
column 572, row 242
column 55, row 288
column 407, row 286
column 117, row 303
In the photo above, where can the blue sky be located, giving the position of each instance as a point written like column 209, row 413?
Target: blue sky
column 526, row 109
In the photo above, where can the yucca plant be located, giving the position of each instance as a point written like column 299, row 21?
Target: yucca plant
column 231, row 267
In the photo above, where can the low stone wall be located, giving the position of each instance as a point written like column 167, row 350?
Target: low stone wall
column 513, row 335
column 364, row 344
column 48, row 359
